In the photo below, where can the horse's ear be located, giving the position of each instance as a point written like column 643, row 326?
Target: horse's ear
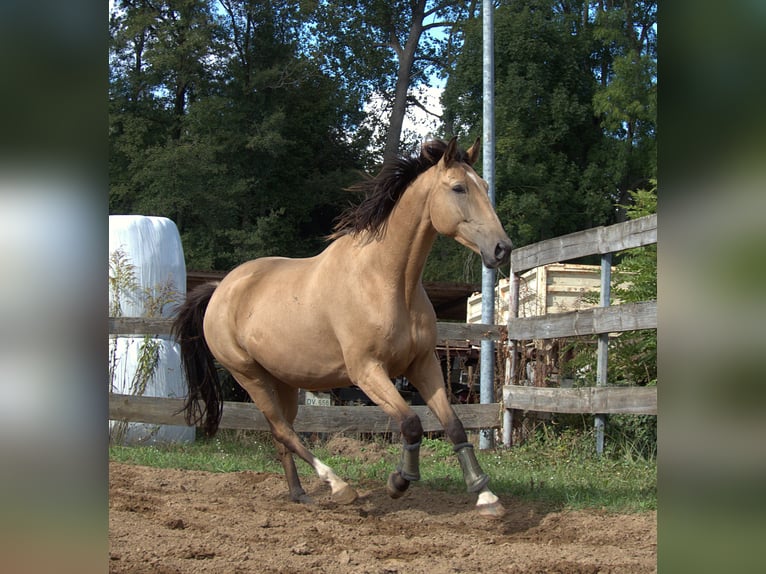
column 428, row 151
column 450, row 152
column 473, row 152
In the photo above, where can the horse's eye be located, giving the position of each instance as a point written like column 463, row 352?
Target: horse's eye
column 459, row 188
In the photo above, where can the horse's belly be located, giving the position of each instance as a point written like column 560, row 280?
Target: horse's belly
column 310, row 372
column 298, row 356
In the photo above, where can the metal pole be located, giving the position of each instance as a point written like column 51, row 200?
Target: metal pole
column 487, row 373
column 603, row 346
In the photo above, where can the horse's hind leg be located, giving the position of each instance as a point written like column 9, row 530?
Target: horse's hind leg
column 264, row 390
column 288, row 398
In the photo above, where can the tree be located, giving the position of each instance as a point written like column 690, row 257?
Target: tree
column 162, row 60
column 389, row 48
column 625, row 39
column 574, row 113
column 240, row 139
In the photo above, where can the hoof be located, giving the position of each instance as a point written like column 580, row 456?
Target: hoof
column 345, row 495
column 304, row 499
column 492, row 510
column 396, row 485
column 299, row 496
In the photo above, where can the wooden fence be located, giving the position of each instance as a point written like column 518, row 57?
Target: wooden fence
column 363, row 419
column 601, row 321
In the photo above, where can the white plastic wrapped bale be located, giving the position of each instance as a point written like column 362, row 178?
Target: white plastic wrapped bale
column 150, row 366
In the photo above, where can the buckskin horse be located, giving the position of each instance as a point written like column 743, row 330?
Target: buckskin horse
column 355, row 314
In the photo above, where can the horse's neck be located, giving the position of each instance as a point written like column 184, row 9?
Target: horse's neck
column 402, row 252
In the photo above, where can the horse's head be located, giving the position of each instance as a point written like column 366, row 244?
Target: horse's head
column 459, row 206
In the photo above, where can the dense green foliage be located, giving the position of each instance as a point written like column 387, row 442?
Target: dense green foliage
column 575, row 96
column 218, row 122
column 243, row 121
column 635, row 357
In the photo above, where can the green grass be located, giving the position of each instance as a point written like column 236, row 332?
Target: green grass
column 227, row 452
column 561, row 471
column 566, row 471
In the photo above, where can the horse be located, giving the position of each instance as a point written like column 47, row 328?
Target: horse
column 355, row 314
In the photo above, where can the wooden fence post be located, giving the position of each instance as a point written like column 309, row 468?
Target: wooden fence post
column 510, row 372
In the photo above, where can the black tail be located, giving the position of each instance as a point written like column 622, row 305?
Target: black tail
column 198, row 361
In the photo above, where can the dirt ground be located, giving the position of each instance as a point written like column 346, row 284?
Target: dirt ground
column 173, row 521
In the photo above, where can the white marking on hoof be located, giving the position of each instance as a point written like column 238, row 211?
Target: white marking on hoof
column 489, row 505
column 342, row 493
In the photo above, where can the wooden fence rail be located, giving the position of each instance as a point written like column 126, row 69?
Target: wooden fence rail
column 614, row 319
column 444, row 331
column 595, row 241
column 585, row 400
column 334, row 419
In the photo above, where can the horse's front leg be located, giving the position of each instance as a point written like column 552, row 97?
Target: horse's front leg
column 408, row 469
column 376, row 384
column 426, row 375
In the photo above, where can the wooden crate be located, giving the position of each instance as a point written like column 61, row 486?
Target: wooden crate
column 553, row 288
column 558, row 288
column 502, row 300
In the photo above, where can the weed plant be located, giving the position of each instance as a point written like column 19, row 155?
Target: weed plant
column 123, row 284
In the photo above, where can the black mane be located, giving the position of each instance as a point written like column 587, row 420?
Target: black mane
column 384, row 190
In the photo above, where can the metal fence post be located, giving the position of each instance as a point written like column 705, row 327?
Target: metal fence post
column 487, row 373
column 603, row 346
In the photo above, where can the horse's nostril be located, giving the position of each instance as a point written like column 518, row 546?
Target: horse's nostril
column 502, row 250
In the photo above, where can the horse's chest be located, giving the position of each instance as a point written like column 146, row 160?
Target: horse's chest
column 399, row 343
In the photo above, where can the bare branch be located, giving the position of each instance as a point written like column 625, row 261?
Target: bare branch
column 439, row 6
column 413, row 101
column 437, row 25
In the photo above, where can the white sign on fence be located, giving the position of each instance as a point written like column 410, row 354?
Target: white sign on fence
column 318, row 399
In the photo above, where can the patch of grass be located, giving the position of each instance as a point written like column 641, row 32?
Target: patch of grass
column 228, row 451
column 567, row 472
column 560, row 471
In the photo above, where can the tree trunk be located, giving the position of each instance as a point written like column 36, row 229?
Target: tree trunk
column 406, row 58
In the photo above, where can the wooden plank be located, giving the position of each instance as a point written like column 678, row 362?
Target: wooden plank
column 465, row 331
column 444, row 331
column 614, row 319
column 586, row 400
column 128, row 326
column 595, row 241
column 153, row 410
column 156, row 410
